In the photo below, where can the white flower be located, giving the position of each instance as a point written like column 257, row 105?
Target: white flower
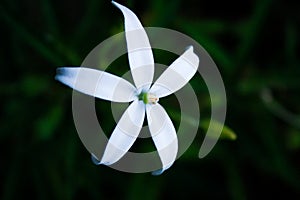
column 143, row 97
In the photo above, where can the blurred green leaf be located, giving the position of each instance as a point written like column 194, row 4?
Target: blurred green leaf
column 160, row 15
column 89, row 15
column 217, row 52
column 227, row 133
column 207, row 27
column 291, row 40
column 249, row 30
column 50, row 16
column 277, row 109
column 30, row 39
column 45, row 126
column 33, row 85
column 293, row 140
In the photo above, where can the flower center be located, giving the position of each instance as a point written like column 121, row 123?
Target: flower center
column 148, row 98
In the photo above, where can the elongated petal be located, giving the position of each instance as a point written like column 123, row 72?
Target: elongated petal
column 125, row 133
column 163, row 134
column 177, row 74
column 97, row 83
column 139, row 50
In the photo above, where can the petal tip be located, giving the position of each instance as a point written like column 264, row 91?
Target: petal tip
column 157, row 172
column 59, row 70
column 192, row 57
column 190, row 48
column 57, row 77
column 59, row 73
column 95, row 160
column 116, row 4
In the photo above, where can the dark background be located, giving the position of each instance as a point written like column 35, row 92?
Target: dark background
column 255, row 44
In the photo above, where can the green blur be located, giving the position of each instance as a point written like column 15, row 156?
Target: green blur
column 255, row 45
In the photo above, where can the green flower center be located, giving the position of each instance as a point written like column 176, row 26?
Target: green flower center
column 148, row 98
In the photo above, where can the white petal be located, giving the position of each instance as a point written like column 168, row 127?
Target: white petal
column 97, row 83
column 139, row 50
column 177, row 74
column 125, row 133
column 163, row 134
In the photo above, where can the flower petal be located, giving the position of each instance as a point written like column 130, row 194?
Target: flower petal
column 125, row 133
column 97, row 83
column 139, row 50
column 163, row 134
column 177, row 75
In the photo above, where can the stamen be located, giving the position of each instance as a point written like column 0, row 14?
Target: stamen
column 148, row 98
column 152, row 99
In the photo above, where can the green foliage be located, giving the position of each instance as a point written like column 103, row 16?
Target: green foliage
column 255, row 45
column 226, row 133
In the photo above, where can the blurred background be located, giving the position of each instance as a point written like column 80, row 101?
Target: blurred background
column 255, row 45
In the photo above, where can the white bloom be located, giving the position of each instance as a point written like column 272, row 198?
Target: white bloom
column 143, row 97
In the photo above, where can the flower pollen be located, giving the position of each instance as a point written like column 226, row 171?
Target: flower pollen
column 148, row 98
